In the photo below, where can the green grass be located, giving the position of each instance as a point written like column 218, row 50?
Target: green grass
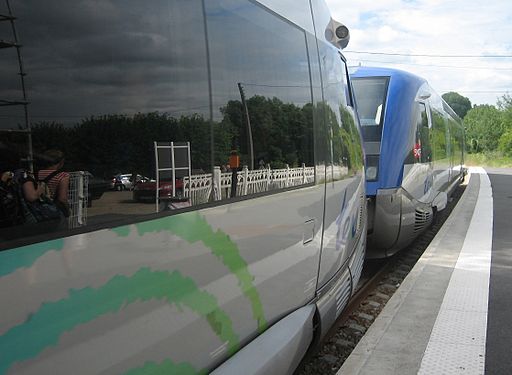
column 488, row 159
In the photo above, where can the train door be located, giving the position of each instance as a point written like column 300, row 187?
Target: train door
column 449, row 150
column 418, row 174
column 440, row 157
column 345, row 196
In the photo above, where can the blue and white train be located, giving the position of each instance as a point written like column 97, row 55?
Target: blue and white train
column 414, row 145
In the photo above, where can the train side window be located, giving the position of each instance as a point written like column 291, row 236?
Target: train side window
column 346, row 157
column 263, row 125
column 422, row 151
column 111, row 87
column 348, row 86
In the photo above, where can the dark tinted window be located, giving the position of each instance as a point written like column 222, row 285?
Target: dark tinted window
column 422, row 151
column 128, row 90
column 370, row 96
column 261, row 94
column 346, row 155
column 105, row 81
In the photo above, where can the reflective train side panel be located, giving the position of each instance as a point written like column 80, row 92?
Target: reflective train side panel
column 243, row 268
column 414, row 145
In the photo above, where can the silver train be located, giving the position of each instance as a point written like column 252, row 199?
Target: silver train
column 414, row 146
column 236, row 118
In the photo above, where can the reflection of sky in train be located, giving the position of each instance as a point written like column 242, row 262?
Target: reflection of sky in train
column 92, row 58
column 86, row 58
column 297, row 11
column 251, row 46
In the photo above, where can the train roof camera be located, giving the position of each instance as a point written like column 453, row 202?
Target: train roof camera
column 337, row 34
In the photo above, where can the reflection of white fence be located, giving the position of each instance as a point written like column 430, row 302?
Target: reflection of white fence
column 198, row 188
column 338, row 172
column 77, row 198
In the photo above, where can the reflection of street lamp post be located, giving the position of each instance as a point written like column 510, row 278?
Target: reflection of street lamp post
column 249, row 130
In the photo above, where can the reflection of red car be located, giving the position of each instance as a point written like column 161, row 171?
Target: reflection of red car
column 145, row 191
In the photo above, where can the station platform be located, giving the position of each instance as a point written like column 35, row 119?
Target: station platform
column 452, row 314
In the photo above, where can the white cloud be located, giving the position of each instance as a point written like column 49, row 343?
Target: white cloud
column 435, row 27
column 387, row 34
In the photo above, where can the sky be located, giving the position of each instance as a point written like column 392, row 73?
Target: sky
column 469, row 28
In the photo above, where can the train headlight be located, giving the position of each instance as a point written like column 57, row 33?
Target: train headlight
column 372, row 167
column 371, row 173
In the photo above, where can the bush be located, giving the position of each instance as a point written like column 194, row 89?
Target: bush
column 505, row 143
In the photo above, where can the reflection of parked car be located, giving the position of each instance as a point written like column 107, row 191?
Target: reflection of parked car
column 97, row 186
column 121, row 182
column 145, row 191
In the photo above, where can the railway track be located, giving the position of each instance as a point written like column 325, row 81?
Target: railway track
column 380, row 279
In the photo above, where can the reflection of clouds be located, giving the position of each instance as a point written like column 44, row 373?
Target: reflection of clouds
column 415, row 22
column 263, row 52
column 97, row 57
column 297, row 11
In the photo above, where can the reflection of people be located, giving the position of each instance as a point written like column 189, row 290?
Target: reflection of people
column 58, row 184
column 234, row 164
column 234, row 160
column 134, row 180
column 31, row 190
column 10, row 210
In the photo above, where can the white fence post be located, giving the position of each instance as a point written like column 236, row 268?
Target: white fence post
column 269, row 177
column 303, row 173
column 217, row 193
column 287, row 180
column 245, row 175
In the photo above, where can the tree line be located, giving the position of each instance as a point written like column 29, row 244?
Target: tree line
column 488, row 127
column 283, row 135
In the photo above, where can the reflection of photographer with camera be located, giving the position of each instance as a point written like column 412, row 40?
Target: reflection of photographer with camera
column 234, row 166
column 55, row 181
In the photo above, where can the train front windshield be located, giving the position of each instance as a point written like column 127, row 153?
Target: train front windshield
column 371, row 97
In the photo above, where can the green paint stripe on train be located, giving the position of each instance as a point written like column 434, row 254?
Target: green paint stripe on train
column 192, row 227
column 25, row 257
column 165, row 368
column 43, row 328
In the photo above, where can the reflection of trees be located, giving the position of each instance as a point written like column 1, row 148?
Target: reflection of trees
column 282, row 134
column 439, row 135
column 426, row 147
column 352, row 140
column 346, row 142
column 121, row 143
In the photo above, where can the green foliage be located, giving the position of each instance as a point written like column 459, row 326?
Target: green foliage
column 282, row 133
column 484, row 127
column 111, row 144
column 505, row 105
column 493, row 159
column 505, row 144
column 117, row 143
column 438, row 136
column 460, row 104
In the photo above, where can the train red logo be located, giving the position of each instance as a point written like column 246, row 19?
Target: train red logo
column 417, row 151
